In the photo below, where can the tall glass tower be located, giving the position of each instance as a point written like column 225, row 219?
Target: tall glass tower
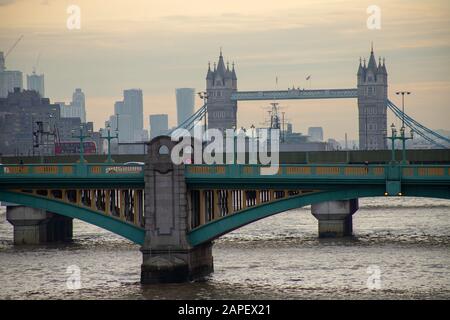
column 185, row 103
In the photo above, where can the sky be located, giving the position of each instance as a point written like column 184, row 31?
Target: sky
column 158, row 46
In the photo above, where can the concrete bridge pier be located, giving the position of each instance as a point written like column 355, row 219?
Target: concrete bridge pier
column 335, row 217
column 167, row 255
column 37, row 226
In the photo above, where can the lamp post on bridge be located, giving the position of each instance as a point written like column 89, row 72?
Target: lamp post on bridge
column 403, row 104
column 82, row 137
column 401, row 137
column 109, row 138
column 402, row 129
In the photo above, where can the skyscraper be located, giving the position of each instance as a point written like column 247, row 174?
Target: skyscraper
column 122, row 124
column 76, row 109
column 36, row 82
column 185, row 103
column 159, row 125
column 8, row 79
column 78, row 101
column 134, row 106
column 119, row 107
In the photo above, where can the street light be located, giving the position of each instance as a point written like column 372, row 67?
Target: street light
column 403, row 138
column 403, row 104
column 81, row 136
column 109, row 138
column 402, row 129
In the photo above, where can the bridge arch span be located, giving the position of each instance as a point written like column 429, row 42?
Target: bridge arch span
column 107, row 222
column 216, row 228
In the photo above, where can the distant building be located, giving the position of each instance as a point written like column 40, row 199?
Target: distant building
column 123, row 125
column 185, row 103
column 333, row 145
column 77, row 108
column 79, row 102
column 31, row 125
column 159, row 125
column 27, row 123
column 315, row 133
column 65, row 127
column 372, row 104
column 36, row 82
column 140, row 136
column 119, row 108
column 134, row 106
column 296, row 141
column 221, row 83
column 8, row 79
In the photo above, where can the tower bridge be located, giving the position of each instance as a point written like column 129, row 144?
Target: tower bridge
column 175, row 212
column 371, row 93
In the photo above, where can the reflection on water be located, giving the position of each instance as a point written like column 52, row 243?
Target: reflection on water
column 276, row 258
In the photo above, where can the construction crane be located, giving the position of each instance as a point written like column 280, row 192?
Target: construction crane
column 37, row 63
column 13, row 46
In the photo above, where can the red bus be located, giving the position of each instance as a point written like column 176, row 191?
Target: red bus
column 72, row 147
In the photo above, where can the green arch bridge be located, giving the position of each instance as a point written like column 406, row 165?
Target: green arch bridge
column 174, row 212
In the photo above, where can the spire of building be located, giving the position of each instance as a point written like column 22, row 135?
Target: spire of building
column 221, row 70
column 382, row 67
column 233, row 73
column 209, row 74
column 360, row 68
column 372, row 62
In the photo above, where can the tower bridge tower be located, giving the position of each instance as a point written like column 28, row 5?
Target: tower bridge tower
column 372, row 104
column 221, row 82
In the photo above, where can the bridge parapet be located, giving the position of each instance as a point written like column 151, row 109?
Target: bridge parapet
column 314, row 175
column 69, row 170
column 71, row 175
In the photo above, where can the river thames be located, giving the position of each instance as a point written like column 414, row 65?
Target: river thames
column 407, row 240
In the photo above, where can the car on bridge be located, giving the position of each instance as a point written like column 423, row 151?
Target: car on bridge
column 134, row 163
column 127, row 167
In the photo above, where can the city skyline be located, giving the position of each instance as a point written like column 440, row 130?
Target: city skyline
column 278, row 43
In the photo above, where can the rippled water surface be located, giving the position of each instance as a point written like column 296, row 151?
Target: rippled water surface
column 407, row 239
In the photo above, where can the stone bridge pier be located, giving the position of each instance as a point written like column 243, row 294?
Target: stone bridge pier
column 335, row 217
column 37, row 226
column 167, row 254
